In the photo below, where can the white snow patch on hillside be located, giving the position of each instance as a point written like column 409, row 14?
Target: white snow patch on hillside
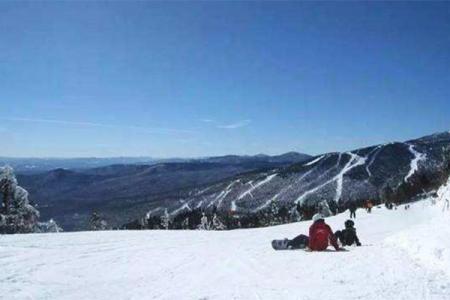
column 414, row 165
column 405, row 255
column 254, row 187
column 224, row 193
column 376, row 150
column 353, row 162
column 185, row 206
column 314, row 161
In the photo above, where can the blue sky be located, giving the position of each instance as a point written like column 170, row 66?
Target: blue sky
column 209, row 78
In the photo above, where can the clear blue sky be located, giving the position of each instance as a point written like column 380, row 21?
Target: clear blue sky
column 208, row 78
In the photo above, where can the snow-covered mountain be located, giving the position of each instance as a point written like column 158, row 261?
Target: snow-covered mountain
column 397, row 171
column 122, row 191
column 405, row 255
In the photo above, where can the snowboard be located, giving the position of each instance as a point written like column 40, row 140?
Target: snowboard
column 280, row 244
column 283, row 245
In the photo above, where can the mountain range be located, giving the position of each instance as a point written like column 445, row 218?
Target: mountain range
column 122, row 191
column 396, row 172
column 241, row 185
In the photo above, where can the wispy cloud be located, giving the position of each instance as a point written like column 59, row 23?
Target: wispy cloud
column 235, row 125
column 207, row 121
column 154, row 130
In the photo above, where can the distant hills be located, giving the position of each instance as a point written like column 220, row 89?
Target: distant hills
column 398, row 171
column 37, row 165
column 122, row 191
column 242, row 185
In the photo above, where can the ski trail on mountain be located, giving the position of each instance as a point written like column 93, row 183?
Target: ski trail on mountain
column 297, row 181
column 181, row 208
column 150, row 212
column 354, row 161
column 375, row 152
column 314, row 161
column 223, row 194
column 252, row 188
column 259, row 184
column 414, row 165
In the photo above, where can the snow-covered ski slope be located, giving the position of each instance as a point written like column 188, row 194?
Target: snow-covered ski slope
column 406, row 256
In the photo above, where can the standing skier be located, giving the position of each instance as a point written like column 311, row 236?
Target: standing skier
column 352, row 209
column 320, row 235
column 369, row 206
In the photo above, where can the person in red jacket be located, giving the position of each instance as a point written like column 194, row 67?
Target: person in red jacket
column 320, row 235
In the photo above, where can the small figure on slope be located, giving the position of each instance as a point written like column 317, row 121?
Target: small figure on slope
column 352, row 207
column 348, row 236
column 369, row 206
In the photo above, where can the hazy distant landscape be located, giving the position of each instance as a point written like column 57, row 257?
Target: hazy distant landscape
column 71, row 189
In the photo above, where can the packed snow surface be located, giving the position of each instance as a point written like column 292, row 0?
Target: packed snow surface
column 405, row 255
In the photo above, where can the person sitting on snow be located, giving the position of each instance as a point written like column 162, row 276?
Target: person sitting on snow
column 348, row 236
column 320, row 235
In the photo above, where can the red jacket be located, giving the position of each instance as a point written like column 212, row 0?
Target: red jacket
column 320, row 235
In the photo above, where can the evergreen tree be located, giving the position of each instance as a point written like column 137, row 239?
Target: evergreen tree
column 97, row 223
column 49, row 226
column 324, row 208
column 204, row 223
column 17, row 215
column 295, row 215
column 273, row 214
column 165, row 220
column 185, row 223
column 217, row 224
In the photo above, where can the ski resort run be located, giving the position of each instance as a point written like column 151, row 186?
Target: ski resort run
column 405, row 255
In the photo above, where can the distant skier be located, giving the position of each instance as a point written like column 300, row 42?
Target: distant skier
column 369, row 206
column 352, row 209
column 348, row 236
column 320, row 235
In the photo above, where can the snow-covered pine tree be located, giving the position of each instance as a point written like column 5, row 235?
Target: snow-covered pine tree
column 165, row 220
column 204, row 223
column 50, row 226
column 294, row 215
column 217, row 224
column 274, row 213
column 324, row 208
column 97, row 223
column 17, row 215
column 185, row 223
